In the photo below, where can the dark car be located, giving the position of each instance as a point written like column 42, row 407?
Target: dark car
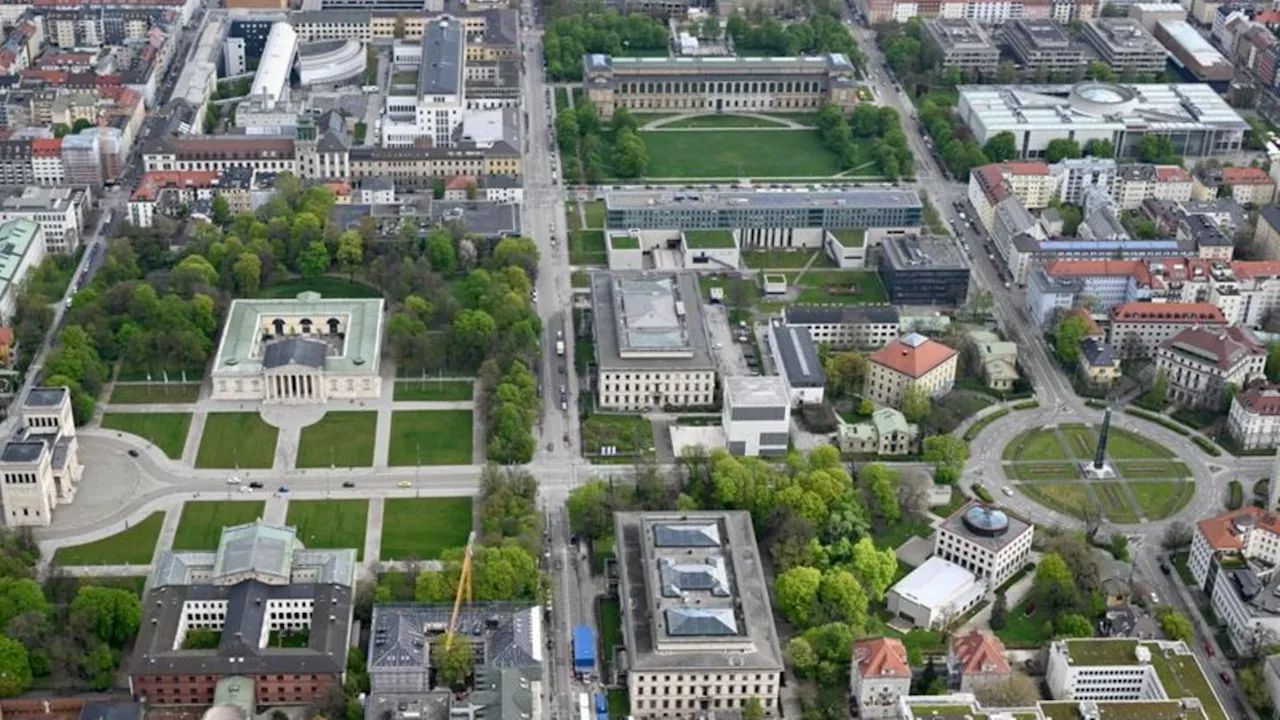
column 255, row 485
column 1226, row 677
column 1164, row 568
column 348, row 484
column 133, row 453
column 283, row 489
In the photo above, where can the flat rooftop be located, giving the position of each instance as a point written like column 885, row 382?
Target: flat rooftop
column 358, row 348
column 916, row 251
column 16, row 239
column 986, row 526
column 649, row 321
column 1175, row 665
column 763, row 391
column 716, row 199
column 1150, row 107
column 1043, row 34
column 958, row 34
column 800, row 362
column 1123, row 36
column 694, row 595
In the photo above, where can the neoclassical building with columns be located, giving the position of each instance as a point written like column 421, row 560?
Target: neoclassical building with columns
column 307, row 349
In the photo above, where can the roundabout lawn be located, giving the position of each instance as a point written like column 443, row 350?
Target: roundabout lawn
column 1040, row 444
column 1125, row 445
column 1159, row 500
column 1066, row 498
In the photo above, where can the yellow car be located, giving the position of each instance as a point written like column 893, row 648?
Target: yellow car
column 405, row 484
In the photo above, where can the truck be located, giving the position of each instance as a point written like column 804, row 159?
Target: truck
column 584, row 707
column 584, row 651
column 560, row 347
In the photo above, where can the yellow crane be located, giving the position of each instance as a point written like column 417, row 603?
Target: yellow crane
column 464, row 584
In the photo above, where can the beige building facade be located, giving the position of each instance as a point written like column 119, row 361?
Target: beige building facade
column 910, row 361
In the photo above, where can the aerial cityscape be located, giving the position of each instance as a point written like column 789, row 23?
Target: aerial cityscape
column 653, row 359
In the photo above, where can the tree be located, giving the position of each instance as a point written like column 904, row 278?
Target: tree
column 1072, row 625
column 440, row 252
column 1159, row 393
column 1068, row 335
column 874, row 568
column 590, row 508
column 1003, row 147
column 916, row 404
column 61, row 130
column 521, row 252
column 19, row 596
column 15, row 669
column 881, row 486
column 630, row 157
column 1099, row 70
column 1017, row 690
column 1176, row 536
column 314, row 261
column 1061, row 149
column 1055, row 586
column 999, row 612
column 1175, row 625
column 113, row 614
column 841, row 599
column 1006, row 73
column 948, row 454
column 845, row 371
column 455, row 662
column 247, row 272
column 1157, row 149
column 350, row 252
column 81, row 124
column 1100, row 148
column 797, row 591
column 221, row 210
column 398, row 30
column 800, row 655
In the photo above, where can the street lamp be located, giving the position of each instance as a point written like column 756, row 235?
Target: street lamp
column 417, row 461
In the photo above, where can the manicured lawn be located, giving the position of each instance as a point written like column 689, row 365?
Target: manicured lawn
column 619, row 703
column 1035, row 445
column 424, row 527
column 1022, row 630
column 430, row 437
column 1166, row 469
column 769, row 259
column 723, row 121
column 580, row 279
column 159, row 375
column 571, row 215
column 610, row 627
column 150, row 393
column 840, row 287
column 201, row 523
column 738, row 154
column 134, row 546
column 167, row 431
column 628, row 433
column 1159, row 500
column 595, row 212
column 1124, row 445
column 851, row 238
column 620, row 241
column 1043, row 471
column 1115, row 502
column 327, row 285
column 330, row 523
column 708, row 239
column 237, row 439
column 1064, row 497
column 1081, row 439
column 340, row 439
column 586, row 247
column 439, row 390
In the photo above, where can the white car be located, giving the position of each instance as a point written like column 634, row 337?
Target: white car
column 233, row 480
column 246, row 489
column 1006, row 491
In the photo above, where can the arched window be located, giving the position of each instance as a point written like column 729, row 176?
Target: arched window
column 278, row 324
column 306, row 326
column 333, row 326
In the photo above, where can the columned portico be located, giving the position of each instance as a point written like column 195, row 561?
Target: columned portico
column 290, row 385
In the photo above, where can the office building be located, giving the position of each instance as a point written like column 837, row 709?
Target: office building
column 220, row 152
column 963, row 44
column 1192, row 51
column 912, row 361
column 60, row 212
column 923, row 270
column 878, row 676
column 696, row 620
column 1099, row 672
column 992, row 544
column 715, row 84
column 1254, row 419
column 935, row 594
column 1043, row 45
column 271, row 81
column 651, row 345
column 432, row 111
column 757, row 415
column 22, row 247
column 1124, row 45
column 796, row 358
column 39, row 465
column 1148, row 14
column 846, row 327
column 1201, row 364
column 208, row 616
column 1137, row 329
column 1195, row 117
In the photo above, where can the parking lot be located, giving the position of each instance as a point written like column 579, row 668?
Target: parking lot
column 724, row 346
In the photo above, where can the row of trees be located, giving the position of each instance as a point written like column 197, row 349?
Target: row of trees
column 568, row 38
column 591, row 149
column 889, row 151
column 816, row 35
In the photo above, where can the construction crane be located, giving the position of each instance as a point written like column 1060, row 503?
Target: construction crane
column 464, row 584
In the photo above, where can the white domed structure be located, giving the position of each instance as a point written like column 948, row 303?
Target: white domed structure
column 1101, row 99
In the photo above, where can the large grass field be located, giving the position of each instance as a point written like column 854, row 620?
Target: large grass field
column 724, row 121
column 134, row 546
column 1081, row 439
column 327, row 285
column 237, row 439
column 154, row 393
column 1064, row 497
column 1115, row 502
column 1152, row 469
column 586, row 247
column 201, row 523
column 167, row 431
column 330, row 523
column 341, row 439
column 437, row 390
column 424, row 527
column 1037, row 444
column 1124, row 445
column 1043, row 471
column 1159, row 500
column 738, row 154
column 840, row 287
column 430, row 437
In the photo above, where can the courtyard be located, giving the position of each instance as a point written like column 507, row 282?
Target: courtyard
column 774, row 154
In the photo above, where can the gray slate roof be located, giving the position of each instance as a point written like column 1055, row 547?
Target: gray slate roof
column 297, row 351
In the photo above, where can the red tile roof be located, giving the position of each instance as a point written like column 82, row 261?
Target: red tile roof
column 46, row 147
column 157, row 180
column 1189, row 313
column 991, row 177
column 6, row 337
column 913, row 355
column 881, row 658
column 1245, row 176
column 1223, row 531
column 1110, row 268
column 1226, row 346
column 980, row 652
column 1260, row 398
column 1172, row 173
column 1248, row 269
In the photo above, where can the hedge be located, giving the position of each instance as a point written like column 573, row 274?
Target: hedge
column 1027, row 405
column 1236, row 500
column 982, row 493
column 984, row 421
column 1206, row 445
column 1160, row 420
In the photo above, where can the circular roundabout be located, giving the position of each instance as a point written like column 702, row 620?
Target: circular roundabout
column 1138, row 480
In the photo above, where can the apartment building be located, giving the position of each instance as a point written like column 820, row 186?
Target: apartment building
column 1249, row 185
column 977, row 661
column 39, row 464
column 757, row 415
column 711, row 84
column 1266, row 235
column 990, row 184
column 846, row 327
column 912, row 361
column 1233, row 558
column 1043, row 45
column 878, row 676
column 651, row 345
column 46, row 162
column 1074, row 177
column 1095, row 671
column 1124, row 45
column 1136, row 182
column 1137, row 329
column 219, row 152
column 1254, row 419
column 696, row 618
column 992, row 544
column 963, row 44
column 1200, row 364
column 60, row 212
